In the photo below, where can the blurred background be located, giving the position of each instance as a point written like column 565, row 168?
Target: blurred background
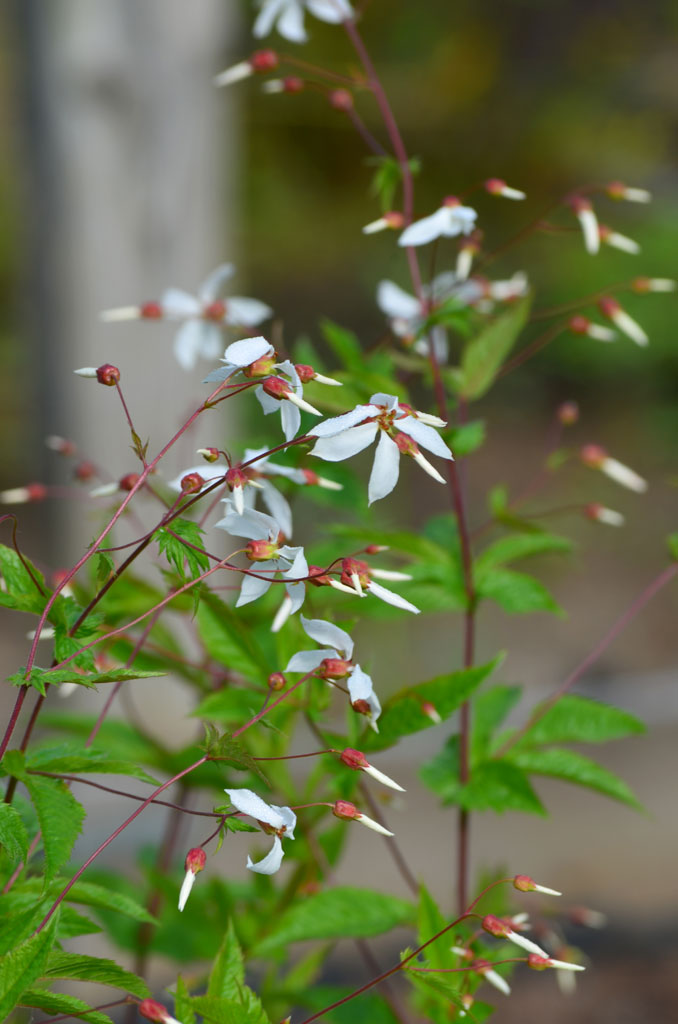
column 124, row 172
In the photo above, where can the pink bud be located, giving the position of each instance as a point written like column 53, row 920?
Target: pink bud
column 262, row 61
column 261, row 550
column 579, row 324
column 84, row 471
column 209, row 454
column 305, row 372
column 151, row 1010
column 592, row 455
column 451, row 201
column 277, row 681
column 292, row 84
column 195, row 860
column 334, row 668
column 353, row 758
column 127, row 482
column 151, row 311
column 276, row 387
column 236, row 477
column 495, row 926
column 192, row 483
column 318, row 577
column 568, row 413
column 341, row 99
column 345, row 810
column 431, row 711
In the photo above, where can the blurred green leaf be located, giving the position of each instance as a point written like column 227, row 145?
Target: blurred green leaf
column 575, row 719
column 97, row 969
column 54, row 1003
column 516, row 592
column 484, row 355
column 13, row 834
column 573, row 767
column 24, row 965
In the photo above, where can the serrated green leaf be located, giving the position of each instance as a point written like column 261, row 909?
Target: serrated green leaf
column 575, row 719
column 225, row 748
column 227, row 977
column 25, row 587
column 483, row 355
column 182, row 1003
column 229, row 1011
column 497, row 785
column 60, row 817
column 236, row 825
column 517, row 546
column 24, row 965
column 55, row 1003
column 570, row 766
column 69, row 759
column 178, row 542
column 489, row 711
column 97, row 969
column 430, row 921
column 516, row 592
column 338, row 913
column 13, row 834
column 228, row 641
column 404, row 713
column 92, row 895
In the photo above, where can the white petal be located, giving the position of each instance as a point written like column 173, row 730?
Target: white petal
column 360, row 686
column 251, row 524
column 337, row 424
column 546, row 890
column 564, row 965
column 246, row 312
column 289, row 819
column 623, row 475
column 296, row 592
column 464, row 263
column 291, row 420
column 497, row 981
column 248, row 350
column 425, row 436
column 282, row 615
column 291, row 23
column 384, row 401
column 221, row 373
column 390, row 598
column 461, row 220
column 332, row 11
column 298, row 568
column 211, row 286
column 277, row 505
column 422, row 461
column 110, row 316
column 628, row 326
column 236, row 73
column 328, row 634
column 271, row 862
column 426, row 229
column 178, row 304
column 395, row 302
column 188, row 342
column 374, row 825
column 385, row 469
column 306, row 661
column 270, row 10
column 346, row 444
column 622, row 242
column 525, row 943
column 254, row 586
column 384, row 779
column 589, row 226
column 601, row 333
column 389, row 574
column 186, row 887
column 247, row 802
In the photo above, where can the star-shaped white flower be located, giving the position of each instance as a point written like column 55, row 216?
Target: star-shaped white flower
column 287, row 16
column 340, row 650
column 402, row 431
column 280, row 821
column 203, row 316
column 450, row 220
column 405, row 313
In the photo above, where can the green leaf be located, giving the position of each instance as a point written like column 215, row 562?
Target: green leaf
column 247, row 1010
column 672, row 543
column 516, row 592
column 92, row 895
column 430, row 921
column 387, row 177
column 24, row 965
column 575, row 719
column 60, row 817
column 517, row 546
column 483, row 355
column 55, row 1003
column 489, row 711
column 573, row 767
column 23, row 583
column 227, row 976
column 41, row 676
column 228, row 641
column 225, row 748
column 182, row 1003
column 497, row 785
column 403, row 713
column 178, row 542
column 69, row 759
column 345, row 345
column 13, row 834
column 97, row 969
column 338, row 913
column 105, row 566
column 466, row 439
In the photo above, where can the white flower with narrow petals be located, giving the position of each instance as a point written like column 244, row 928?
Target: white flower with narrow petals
column 339, row 650
column 279, row 821
column 401, row 432
column 287, row 16
column 405, row 313
column 450, row 220
column 203, row 316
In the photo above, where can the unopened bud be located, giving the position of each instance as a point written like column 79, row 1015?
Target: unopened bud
column 583, row 211
column 431, row 711
column 617, row 190
column 375, row 549
column 582, row 325
column 127, row 482
column 151, row 311
column 291, row 84
column 543, row 963
column 349, row 812
column 261, row 550
column 277, row 681
column 642, row 285
column 156, row 1012
column 502, row 930
column 451, row 201
column 192, row 483
column 334, row 668
column 600, row 514
column 497, row 187
column 393, row 220
column 209, row 454
column 341, row 99
column 108, row 375
column 264, row 60
column 60, row 445
column 618, row 241
column 23, row 495
column 84, row 471
column 586, row 917
column 523, row 883
column 609, row 307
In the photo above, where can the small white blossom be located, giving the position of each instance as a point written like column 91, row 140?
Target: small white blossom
column 588, row 222
column 400, row 431
column 281, row 821
column 287, row 16
column 450, row 220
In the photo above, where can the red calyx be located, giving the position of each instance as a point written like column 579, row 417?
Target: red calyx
column 451, row 201
column 264, row 60
column 84, row 471
column 151, row 311
column 361, row 706
column 495, row 186
column 579, row 324
column 236, row 477
column 523, row 883
column 341, row 99
column 318, row 577
column 592, row 455
column 351, row 566
column 215, row 310
column 36, row 492
column 108, row 375
column 277, row 681
column 495, row 926
column 353, row 758
column 127, row 482
column 261, row 550
column 151, row 1010
column 405, row 444
column 276, row 387
column 192, row 483
column 345, row 810
column 568, row 413
column 305, row 372
column 293, row 84
column 334, row 668
column 195, row 860
column 608, row 306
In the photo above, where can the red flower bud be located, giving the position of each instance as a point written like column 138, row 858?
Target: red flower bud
column 261, row 550
column 151, row 1010
column 361, row 706
column 579, row 324
column 195, row 860
column 334, row 668
column 127, row 482
column 214, row 310
column 292, row 84
column 353, row 758
column 277, row 681
column 276, row 387
column 84, row 471
column 318, row 577
column 192, row 483
column 592, row 455
column 345, row 810
column 151, row 311
column 305, row 372
column 341, row 99
column 264, row 60
column 108, row 375
column 568, row 413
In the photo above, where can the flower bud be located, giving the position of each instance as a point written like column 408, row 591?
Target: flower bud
column 497, row 187
column 22, row 495
column 542, row 963
column 451, row 201
column 108, row 375
column 618, row 241
column 192, row 483
column 600, row 514
column 568, row 413
column 642, row 285
column 277, row 681
column 156, row 1012
column 523, row 883
column 60, row 445
column 262, row 61
column 318, row 577
column 84, row 471
column 261, row 550
column 393, row 220
column 583, row 211
column 127, row 482
column 610, row 308
column 582, row 325
column 502, row 930
column 209, row 454
column 617, row 190
column 334, row 668
column 431, row 711
column 290, row 84
column 345, row 810
column 215, row 311
column 151, row 311
column 341, row 99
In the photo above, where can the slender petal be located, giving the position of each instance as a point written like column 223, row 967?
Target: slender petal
column 521, row 940
column 345, row 444
column 306, row 661
column 291, row 23
column 246, row 312
column 253, row 587
column 395, row 302
column 374, row 825
column 211, row 286
column 332, row 11
column 425, row 436
column 177, row 304
column 390, row 598
column 271, row 862
column 277, row 505
column 380, row 777
column 247, row 802
column 291, row 420
column 188, row 343
column 186, row 887
column 251, row 524
column 385, row 469
column 248, row 350
column 425, row 230
column 338, row 424
column 328, row 634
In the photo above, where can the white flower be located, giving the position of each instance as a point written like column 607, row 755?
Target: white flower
column 289, row 561
column 402, row 431
column 595, row 457
column 617, row 190
column 288, row 16
column 281, row 821
column 450, row 220
column 360, row 686
column 202, row 315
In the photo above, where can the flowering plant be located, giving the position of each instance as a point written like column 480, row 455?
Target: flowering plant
column 259, row 689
